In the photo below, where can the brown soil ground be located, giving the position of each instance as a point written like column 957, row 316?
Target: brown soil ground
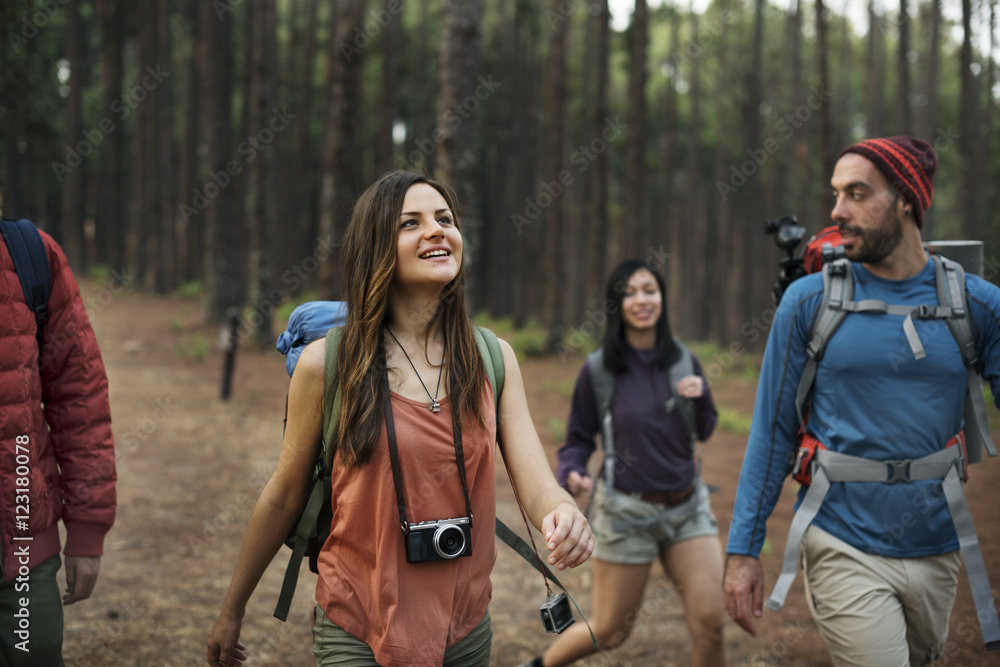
column 190, row 467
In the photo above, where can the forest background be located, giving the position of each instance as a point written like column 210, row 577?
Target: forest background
column 216, row 147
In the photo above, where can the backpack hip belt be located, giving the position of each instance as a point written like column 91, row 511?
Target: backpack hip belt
column 946, row 465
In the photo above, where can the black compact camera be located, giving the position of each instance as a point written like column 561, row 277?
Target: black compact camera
column 556, row 614
column 443, row 539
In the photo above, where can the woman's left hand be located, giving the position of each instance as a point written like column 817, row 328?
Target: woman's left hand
column 568, row 536
column 691, row 386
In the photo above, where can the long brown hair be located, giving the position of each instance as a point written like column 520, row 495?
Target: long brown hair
column 368, row 264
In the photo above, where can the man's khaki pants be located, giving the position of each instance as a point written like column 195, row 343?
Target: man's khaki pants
column 875, row 611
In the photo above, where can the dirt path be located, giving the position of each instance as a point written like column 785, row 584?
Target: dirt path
column 190, row 468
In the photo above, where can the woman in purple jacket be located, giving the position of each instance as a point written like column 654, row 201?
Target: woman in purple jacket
column 656, row 505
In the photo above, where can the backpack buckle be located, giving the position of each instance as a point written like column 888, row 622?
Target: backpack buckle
column 924, row 312
column 838, row 268
column 899, row 471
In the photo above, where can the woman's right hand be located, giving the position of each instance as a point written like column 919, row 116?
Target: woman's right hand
column 579, row 485
column 224, row 646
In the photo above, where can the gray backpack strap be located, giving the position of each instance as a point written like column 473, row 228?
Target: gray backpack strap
column 838, row 289
column 683, row 367
column 950, row 278
column 604, row 392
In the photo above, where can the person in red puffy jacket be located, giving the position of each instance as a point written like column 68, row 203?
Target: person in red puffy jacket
column 57, row 461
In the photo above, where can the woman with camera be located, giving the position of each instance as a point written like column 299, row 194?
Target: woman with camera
column 417, row 422
column 646, row 394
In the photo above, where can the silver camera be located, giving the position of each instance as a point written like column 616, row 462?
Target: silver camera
column 556, row 614
column 443, row 539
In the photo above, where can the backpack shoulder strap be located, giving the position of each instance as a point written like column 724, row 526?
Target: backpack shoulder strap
column 31, row 262
column 603, row 383
column 950, row 279
column 331, row 399
column 681, row 368
column 838, row 289
column 489, row 347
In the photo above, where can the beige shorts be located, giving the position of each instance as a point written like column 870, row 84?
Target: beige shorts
column 631, row 531
column 875, row 611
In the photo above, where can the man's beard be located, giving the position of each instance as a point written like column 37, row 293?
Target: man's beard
column 877, row 243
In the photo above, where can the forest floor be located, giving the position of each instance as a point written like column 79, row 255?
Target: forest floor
column 191, row 466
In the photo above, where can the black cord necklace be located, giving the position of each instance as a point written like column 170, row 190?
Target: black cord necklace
column 433, row 406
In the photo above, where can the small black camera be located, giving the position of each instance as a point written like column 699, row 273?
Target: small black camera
column 443, row 539
column 556, row 613
column 788, row 234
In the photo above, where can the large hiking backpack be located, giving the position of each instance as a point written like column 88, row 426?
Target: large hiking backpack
column 312, row 321
column 952, row 307
column 31, row 262
column 818, row 467
column 603, row 383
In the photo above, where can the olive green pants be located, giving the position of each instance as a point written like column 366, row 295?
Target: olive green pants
column 332, row 645
column 31, row 618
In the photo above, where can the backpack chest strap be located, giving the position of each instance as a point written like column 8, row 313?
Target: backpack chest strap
column 921, row 312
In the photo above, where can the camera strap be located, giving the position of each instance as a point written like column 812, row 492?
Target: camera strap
column 397, row 475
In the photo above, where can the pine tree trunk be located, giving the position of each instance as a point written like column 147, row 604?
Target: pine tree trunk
column 70, row 231
column 227, row 277
column 262, row 170
column 389, row 107
column 933, row 75
column 463, row 91
column 826, row 122
column 343, row 120
column 597, row 258
column 554, row 316
column 165, row 277
column 191, row 248
column 635, row 229
column 111, row 185
column 968, row 121
column 905, row 93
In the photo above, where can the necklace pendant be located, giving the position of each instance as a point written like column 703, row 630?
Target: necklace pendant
column 434, row 406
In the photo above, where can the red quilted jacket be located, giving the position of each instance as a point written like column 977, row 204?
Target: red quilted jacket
column 55, row 424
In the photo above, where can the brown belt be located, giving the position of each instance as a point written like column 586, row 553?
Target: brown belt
column 668, row 498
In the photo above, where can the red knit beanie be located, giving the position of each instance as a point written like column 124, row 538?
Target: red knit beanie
column 908, row 163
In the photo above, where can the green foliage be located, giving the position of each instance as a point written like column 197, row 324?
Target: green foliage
column 176, row 325
column 286, row 308
column 557, row 428
column 194, row 347
column 734, row 422
column 98, row 272
column 528, row 341
column 191, row 290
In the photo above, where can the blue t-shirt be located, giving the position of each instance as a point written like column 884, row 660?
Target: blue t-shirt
column 871, row 398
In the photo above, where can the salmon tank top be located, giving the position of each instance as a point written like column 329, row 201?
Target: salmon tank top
column 409, row 614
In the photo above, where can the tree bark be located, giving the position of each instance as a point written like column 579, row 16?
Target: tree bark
column 929, row 129
column 554, row 316
column 339, row 185
column 826, row 122
column 262, row 170
column 111, row 185
column 635, row 228
column 462, row 94
column 191, row 242
column 598, row 204
column 968, row 120
column 70, row 229
column 165, row 240
column 389, row 108
column 905, row 93
column 226, row 249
